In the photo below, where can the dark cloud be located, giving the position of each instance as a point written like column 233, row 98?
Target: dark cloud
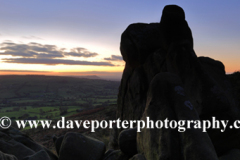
column 81, row 52
column 36, row 53
column 23, row 71
column 31, row 50
column 36, row 50
column 54, row 61
column 114, row 58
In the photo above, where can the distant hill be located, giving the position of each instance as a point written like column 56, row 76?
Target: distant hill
column 36, row 86
column 88, row 77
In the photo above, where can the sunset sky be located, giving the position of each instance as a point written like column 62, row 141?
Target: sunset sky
column 76, row 37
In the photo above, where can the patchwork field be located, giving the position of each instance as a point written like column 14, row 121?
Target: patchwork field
column 50, row 97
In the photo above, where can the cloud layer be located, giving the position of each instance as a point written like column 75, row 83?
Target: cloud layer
column 114, row 58
column 36, row 53
column 81, row 52
column 54, row 61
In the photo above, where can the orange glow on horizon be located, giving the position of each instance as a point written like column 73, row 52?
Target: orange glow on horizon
column 101, row 75
column 230, row 67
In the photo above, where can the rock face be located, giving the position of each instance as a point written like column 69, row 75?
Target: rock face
column 4, row 156
column 231, row 155
column 138, row 157
column 163, row 77
column 57, row 143
column 127, row 141
column 166, row 99
column 15, row 145
column 115, row 155
column 76, row 146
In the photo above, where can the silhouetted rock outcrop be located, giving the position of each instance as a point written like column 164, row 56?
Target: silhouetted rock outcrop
column 163, row 77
